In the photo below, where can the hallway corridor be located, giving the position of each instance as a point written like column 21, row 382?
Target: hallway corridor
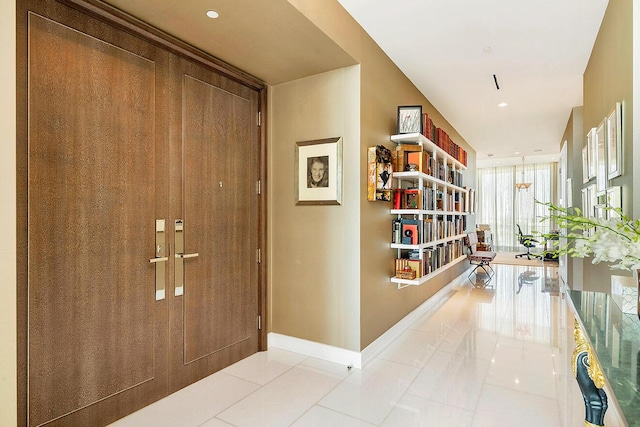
column 480, row 357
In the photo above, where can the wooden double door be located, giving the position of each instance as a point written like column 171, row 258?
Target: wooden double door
column 140, row 219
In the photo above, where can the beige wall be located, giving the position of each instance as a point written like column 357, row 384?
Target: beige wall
column 314, row 272
column 575, row 142
column 8, row 359
column 608, row 79
column 383, row 88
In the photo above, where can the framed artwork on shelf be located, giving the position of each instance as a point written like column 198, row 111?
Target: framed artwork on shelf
column 614, row 201
column 379, row 172
column 591, row 152
column 318, row 172
column 409, row 119
column 614, row 142
column 585, row 164
column 601, row 160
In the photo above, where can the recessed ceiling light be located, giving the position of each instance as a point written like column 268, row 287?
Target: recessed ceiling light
column 212, row 14
column 502, row 104
column 516, row 152
column 489, row 155
column 538, row 150
column 487, row 49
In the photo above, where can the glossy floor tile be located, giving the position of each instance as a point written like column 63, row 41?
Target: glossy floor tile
column 482, row 356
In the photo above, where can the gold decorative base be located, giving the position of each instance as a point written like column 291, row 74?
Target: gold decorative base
column 590, row 378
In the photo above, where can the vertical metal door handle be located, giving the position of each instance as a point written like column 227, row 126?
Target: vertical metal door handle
column 159, row 259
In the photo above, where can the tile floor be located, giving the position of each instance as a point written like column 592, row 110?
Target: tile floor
column 482, row 357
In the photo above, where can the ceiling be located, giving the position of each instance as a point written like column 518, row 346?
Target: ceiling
column 450, row 49
column 269, row 39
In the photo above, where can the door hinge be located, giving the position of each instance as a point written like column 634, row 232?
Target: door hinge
column 259, row 118
column 259, row 322
column 259, row 189
column 259, row 255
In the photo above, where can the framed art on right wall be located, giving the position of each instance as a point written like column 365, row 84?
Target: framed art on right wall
column 614, row 142
column 601, row 160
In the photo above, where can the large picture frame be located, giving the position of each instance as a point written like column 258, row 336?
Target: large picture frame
column 601, row 160
column 318, row 172
column 409, row 119
column 614, row 142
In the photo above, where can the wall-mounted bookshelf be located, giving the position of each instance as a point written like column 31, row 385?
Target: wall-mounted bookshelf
column 430, row 205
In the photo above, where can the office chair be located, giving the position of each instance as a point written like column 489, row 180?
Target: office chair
column 528, row 242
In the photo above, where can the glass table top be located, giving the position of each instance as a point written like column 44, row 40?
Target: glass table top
column 615, row 338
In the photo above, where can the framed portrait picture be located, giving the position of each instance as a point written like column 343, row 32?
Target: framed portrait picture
column 601, row 160
column 614, row 142
column 410, row 119
column 318, row 172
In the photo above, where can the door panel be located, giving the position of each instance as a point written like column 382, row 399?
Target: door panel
column 115, row 134
column 92, row 317
column 217, row 315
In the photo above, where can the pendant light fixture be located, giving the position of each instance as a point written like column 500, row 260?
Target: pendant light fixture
column 523, row 185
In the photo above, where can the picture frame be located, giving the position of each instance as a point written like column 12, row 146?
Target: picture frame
column 614, row 201
column 591, row 151
column 591, row 201
column 601, row 159
column 585, row 164
column 410, row 119
column 318, row 172
column 614, row 142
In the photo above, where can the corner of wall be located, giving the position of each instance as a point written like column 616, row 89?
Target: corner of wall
column 8, row 284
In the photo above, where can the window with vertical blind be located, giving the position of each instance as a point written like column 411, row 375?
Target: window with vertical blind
column 502, row 206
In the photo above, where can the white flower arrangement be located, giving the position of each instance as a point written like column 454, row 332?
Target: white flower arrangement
column 615, row 240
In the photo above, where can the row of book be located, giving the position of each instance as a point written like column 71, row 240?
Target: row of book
column 428, row 199
column 432, row 258
column 414, row 231
column 409, row 157
column 439, row 137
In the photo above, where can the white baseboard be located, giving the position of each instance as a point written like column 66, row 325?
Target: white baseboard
column 354, row 358
column 314, row 349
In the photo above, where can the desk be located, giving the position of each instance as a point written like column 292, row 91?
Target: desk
column 615, row 340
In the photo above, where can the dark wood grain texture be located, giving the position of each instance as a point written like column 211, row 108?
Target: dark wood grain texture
column 101, row 137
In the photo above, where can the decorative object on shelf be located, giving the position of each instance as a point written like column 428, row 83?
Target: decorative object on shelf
column 318, row 172
column 615, row 240
column 614, row 142
column 409, row 119
column 379, row 172
column 523, row 185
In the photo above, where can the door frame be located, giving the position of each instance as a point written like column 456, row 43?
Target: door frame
column 130, row 24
